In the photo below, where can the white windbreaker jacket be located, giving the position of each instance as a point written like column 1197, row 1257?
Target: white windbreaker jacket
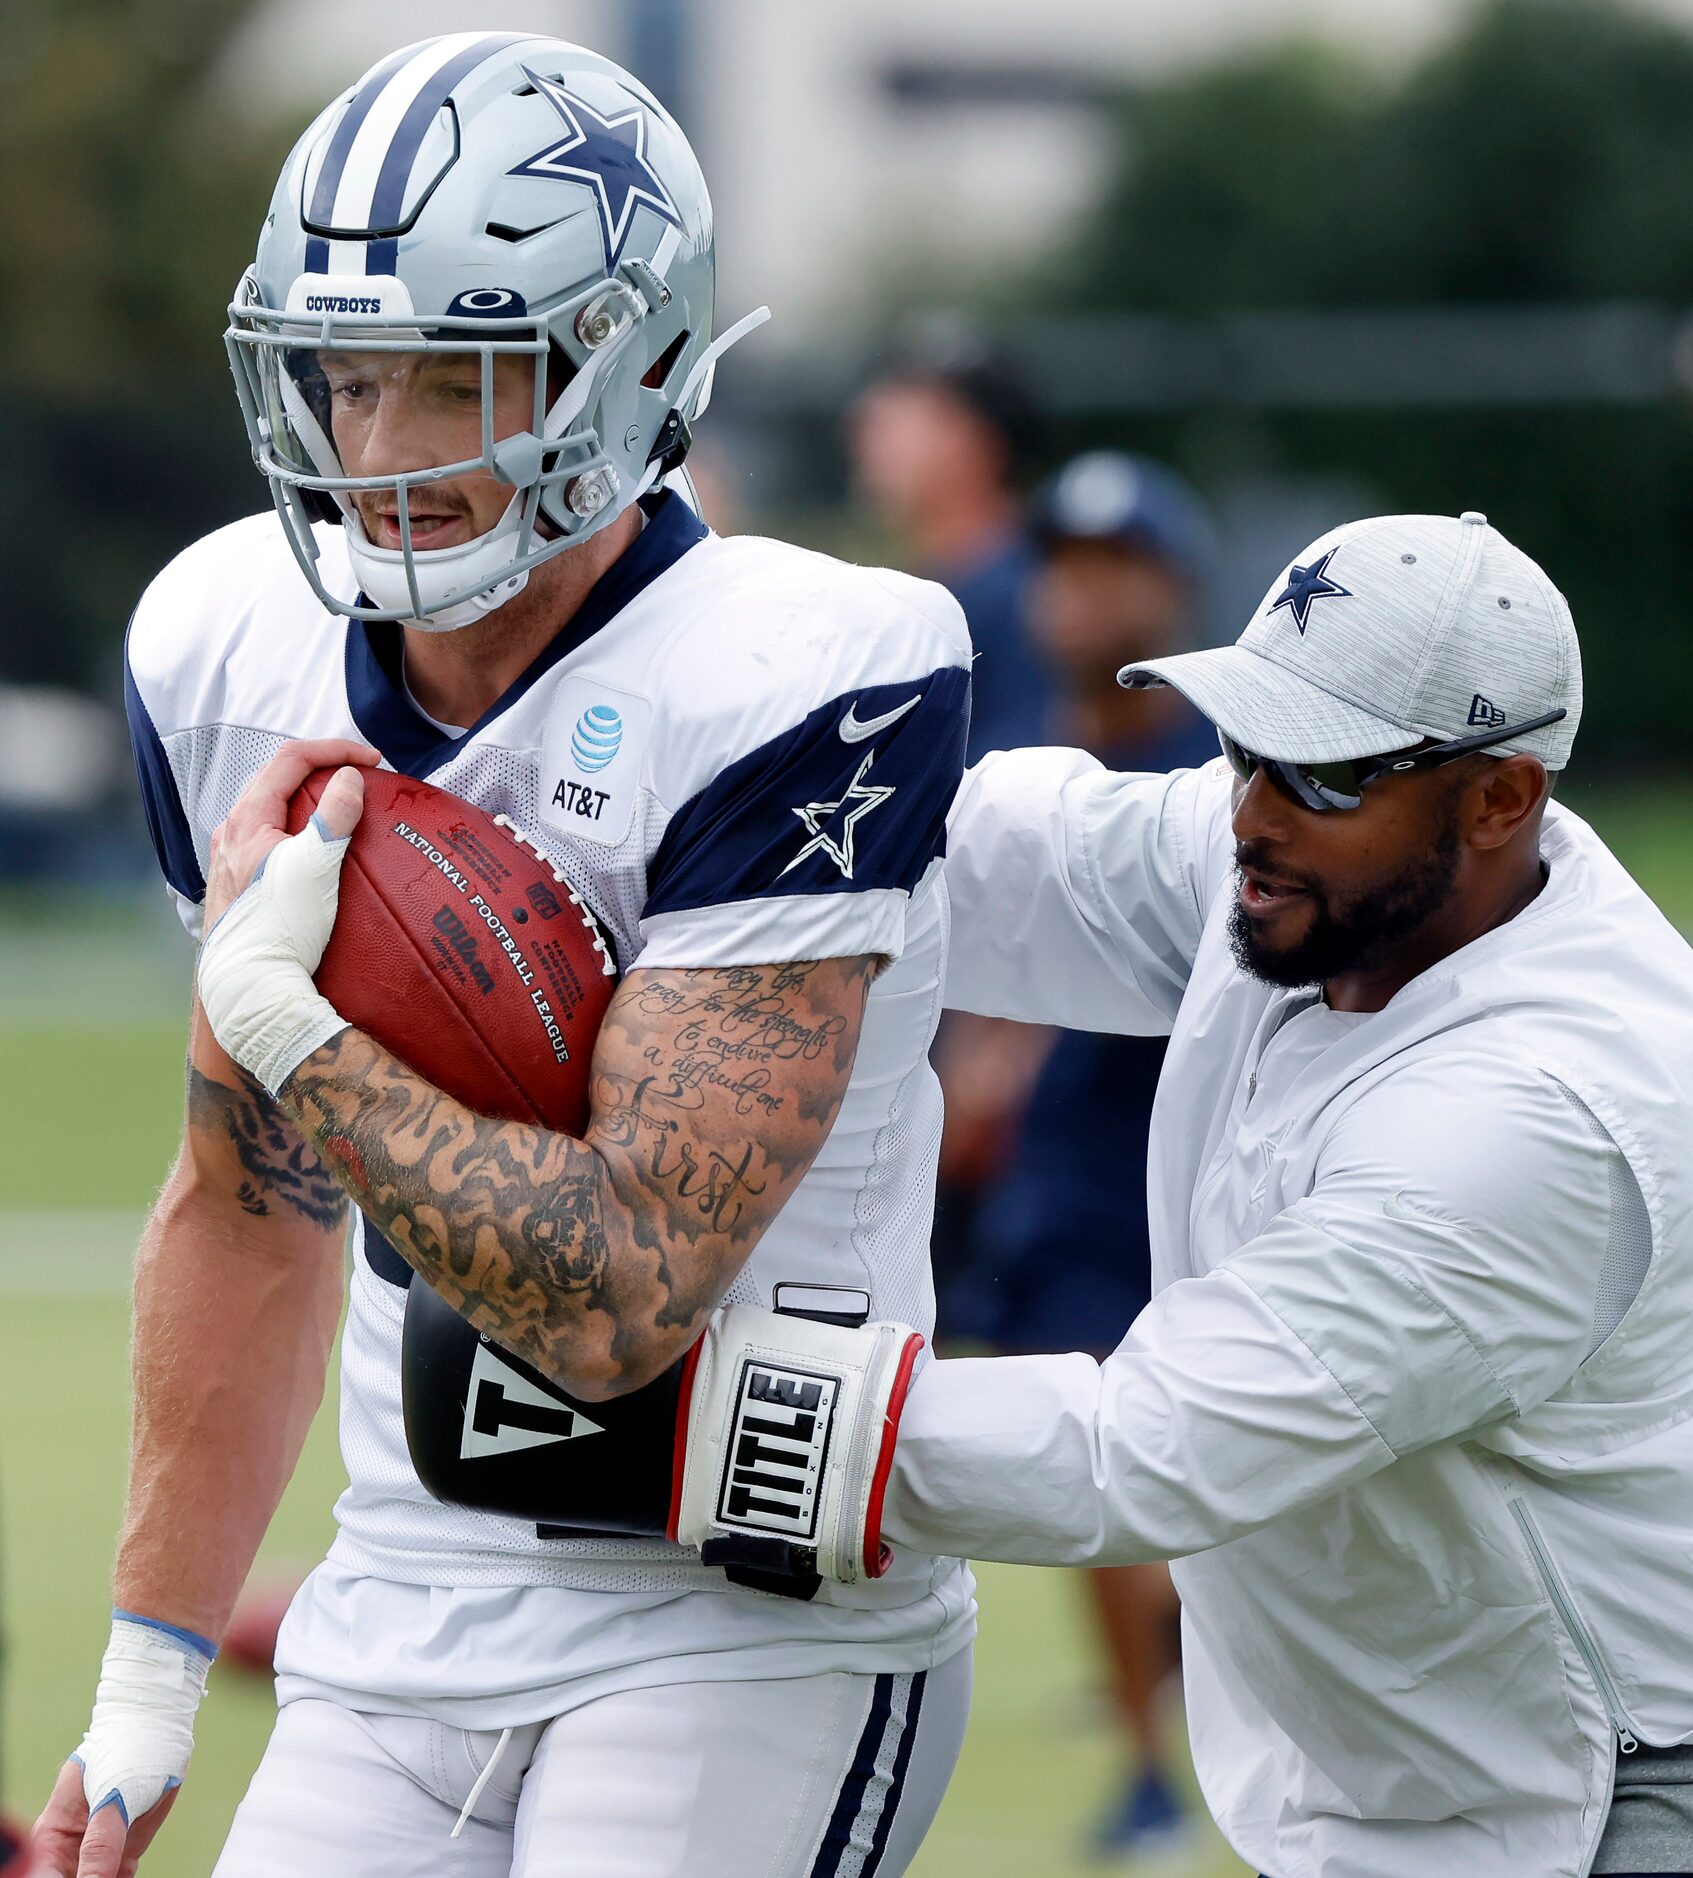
column 1413, row 1402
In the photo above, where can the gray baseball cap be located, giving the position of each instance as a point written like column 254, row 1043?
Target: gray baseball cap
column 1387, row 631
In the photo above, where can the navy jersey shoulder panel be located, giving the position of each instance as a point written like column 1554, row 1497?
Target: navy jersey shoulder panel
column 376, row 690
column 167, row 822
column 853, row 797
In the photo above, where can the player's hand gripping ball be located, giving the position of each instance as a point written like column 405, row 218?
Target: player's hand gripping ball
column 350, row 895
column 460, row 947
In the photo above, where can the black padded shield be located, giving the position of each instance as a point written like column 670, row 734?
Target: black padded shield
column 487, row 1431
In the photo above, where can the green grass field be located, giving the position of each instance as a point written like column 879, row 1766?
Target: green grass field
column 90, row 1095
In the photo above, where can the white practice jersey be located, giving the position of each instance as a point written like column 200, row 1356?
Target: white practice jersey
column 740, row 753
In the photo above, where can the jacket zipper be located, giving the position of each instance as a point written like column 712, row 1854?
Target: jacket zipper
column 1554, row 1584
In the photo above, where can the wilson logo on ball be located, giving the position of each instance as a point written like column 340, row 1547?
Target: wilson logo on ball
column 597, row 738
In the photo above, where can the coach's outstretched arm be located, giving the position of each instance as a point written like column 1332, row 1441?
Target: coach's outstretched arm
column 595, row 1260
column 1439, row 1281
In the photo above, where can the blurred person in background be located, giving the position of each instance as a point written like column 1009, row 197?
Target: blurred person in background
column 1055, row 1260
column 938, row 442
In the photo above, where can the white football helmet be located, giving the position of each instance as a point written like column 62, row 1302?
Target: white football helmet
column 480, row 195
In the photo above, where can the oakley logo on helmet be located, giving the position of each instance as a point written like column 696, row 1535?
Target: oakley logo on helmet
column 609, row 154
column 1485, row 711
column 1306, row 586
column 489, row 303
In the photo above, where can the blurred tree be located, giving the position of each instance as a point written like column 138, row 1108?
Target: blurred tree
column 135, row 203
column 1543, row 155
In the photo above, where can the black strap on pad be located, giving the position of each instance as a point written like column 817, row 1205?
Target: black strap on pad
column 776, row 1565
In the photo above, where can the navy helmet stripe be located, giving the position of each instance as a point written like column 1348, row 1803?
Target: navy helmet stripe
column 390, row 193
column 317, row 255
column 340, row 145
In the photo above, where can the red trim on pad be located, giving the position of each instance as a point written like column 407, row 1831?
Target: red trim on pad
column 878, row 1557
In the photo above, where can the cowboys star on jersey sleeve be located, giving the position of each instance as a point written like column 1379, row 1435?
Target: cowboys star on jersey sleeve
column 811, row 772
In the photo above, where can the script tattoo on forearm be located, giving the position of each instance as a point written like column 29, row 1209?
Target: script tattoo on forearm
column 594, row 1259
column 277, row 1167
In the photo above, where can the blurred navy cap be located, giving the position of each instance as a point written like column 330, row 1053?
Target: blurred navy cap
column 1109, row 495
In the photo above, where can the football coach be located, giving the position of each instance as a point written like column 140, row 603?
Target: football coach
column 1412, row 1406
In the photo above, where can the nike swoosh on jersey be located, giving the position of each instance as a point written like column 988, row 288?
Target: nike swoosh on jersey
column 853, row 730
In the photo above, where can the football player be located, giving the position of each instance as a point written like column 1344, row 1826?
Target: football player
column 470, row 352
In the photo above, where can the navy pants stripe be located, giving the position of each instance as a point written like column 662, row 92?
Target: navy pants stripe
column 886, row 1731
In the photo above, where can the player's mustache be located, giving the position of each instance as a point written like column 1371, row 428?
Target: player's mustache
column 439, row 501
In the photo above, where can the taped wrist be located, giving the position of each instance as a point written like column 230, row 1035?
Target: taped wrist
column 256, row 965
column 141, row 1734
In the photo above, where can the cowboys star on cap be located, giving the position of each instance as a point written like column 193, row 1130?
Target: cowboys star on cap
column 817, row 815
column 609, row 154
column 1307, row 585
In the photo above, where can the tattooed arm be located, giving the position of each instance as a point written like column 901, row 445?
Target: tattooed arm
column 238, row 1288
column 598, row 1260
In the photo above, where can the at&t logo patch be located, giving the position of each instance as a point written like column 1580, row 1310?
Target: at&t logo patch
column 592, row 759
column 597, row 738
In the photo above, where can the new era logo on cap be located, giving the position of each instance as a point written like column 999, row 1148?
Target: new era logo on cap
column 1484, row 712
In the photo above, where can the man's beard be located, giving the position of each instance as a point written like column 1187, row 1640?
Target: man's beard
column 1362, row 934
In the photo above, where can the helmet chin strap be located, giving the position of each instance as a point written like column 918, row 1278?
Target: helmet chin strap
column 700, row 379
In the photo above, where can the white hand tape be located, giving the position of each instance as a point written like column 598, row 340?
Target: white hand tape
column 142, row 1730
column 256, row 965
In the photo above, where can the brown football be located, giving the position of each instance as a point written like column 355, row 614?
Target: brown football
column 461, row 948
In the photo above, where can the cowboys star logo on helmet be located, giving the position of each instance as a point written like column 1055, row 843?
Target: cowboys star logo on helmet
column 610, row 157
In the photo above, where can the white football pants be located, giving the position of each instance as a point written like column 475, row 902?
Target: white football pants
column 835, row 1776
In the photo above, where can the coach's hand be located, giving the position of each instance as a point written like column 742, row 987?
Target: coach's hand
column 270, row 907
column 112, row 1795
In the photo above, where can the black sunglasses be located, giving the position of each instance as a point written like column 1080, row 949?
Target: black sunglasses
column 1329, row 786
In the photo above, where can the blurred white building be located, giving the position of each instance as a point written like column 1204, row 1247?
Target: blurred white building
column 860, row 152
column 852, row 149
